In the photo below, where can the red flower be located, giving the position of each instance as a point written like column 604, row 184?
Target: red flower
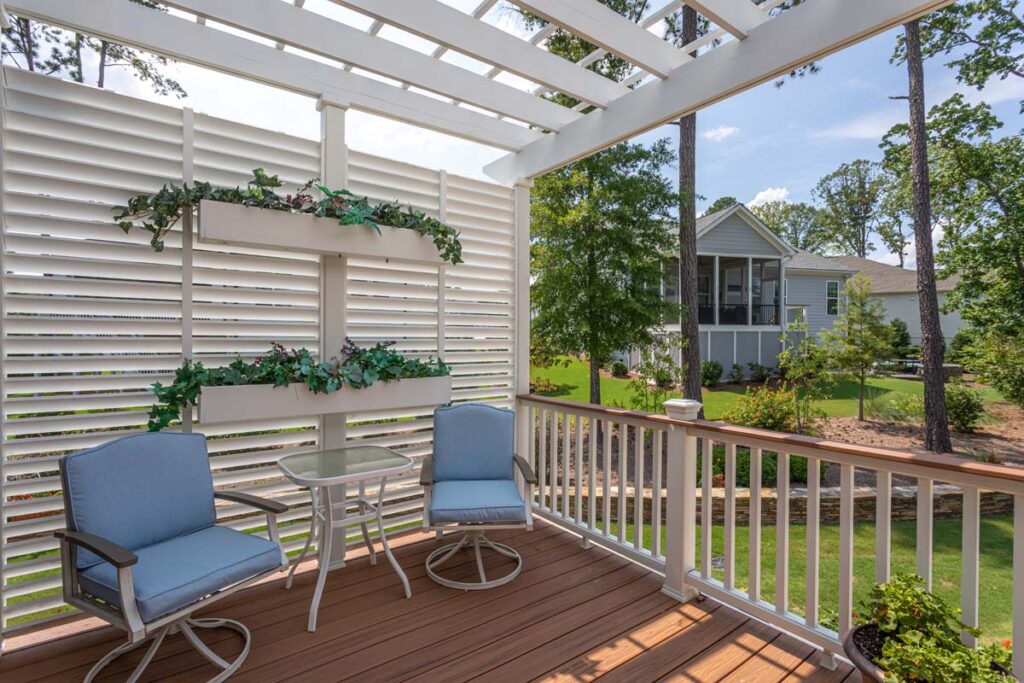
column 1008, row 644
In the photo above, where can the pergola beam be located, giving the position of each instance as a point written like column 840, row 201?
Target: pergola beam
column 738, row 17
column 609, row 30
column 317, row 34
column 437, row 22
column 810, row 31
column 131, row 24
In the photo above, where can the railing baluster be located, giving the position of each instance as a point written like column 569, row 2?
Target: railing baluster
column 1018, row 582
column 705, row 508
column 754, row 517
column 638, row 488
column 845, row 549
column 578, row 490
column 542, row 468
column 532, row 453
column 883, row 526
column 969, row 571
column 729, row 555
column 623, row 454
column 924, row 530
column 659, row 440
column 592, row 473
column 553, row 465
column 565, row 465
column 606, row 504
column 782, row 534
column 813, row 539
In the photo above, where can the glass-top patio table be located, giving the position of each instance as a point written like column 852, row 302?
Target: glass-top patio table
column 322, row 470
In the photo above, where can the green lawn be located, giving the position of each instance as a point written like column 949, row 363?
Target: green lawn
column 996, row 578
column 573, row 384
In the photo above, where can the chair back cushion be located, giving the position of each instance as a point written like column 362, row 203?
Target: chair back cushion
column 473, row 441
column 139, row 490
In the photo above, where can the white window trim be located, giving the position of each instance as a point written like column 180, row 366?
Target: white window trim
column 839, row 291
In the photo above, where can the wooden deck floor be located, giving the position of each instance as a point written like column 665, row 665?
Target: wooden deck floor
column 572, row 615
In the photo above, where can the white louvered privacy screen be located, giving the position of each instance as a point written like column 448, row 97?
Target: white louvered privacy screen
column 91, row 317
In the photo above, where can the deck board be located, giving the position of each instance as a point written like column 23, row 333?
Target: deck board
column 572, row 615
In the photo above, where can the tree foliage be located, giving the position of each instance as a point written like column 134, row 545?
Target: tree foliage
column 851, row 206
column 599, row 233
column 720, row 204
column 984, row 37
column 859, row 338
column 800, row 224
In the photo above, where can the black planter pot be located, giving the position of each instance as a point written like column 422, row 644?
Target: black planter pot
column 869, row 671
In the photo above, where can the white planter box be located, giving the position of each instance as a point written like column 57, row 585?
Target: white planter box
column 263, row 401
column 244, row 226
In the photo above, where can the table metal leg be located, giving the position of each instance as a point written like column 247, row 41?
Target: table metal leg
column 313, row 516
column 384, row 540
column 362, row 525
column 324, row 551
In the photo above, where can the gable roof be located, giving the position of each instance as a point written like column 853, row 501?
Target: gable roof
column 709, row 222
column 886, row 279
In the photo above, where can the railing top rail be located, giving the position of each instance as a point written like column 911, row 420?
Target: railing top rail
column 954, row 469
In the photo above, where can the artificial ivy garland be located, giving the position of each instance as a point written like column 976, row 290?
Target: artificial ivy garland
column 356, row 367
column 158, row 213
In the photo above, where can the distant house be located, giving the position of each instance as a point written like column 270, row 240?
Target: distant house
column 896, row 288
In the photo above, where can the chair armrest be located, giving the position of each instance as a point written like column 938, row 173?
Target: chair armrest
column 525, row 468
column 265, row 504
column 108, row 550
column 427, row 472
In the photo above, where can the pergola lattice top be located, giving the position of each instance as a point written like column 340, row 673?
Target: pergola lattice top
column 502, row 102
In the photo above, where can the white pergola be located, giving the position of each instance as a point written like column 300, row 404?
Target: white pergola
column 346, row 66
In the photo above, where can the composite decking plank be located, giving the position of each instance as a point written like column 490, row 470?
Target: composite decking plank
column 510, row 638
column 353, row 629
column 810, row 671
column 677, row 649
column 451, row 636
column 774, row 663
column 628, row 643
column 288, row 631
column 725, row 656
column 564, row 648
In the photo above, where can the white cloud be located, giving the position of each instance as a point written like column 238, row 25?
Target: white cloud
column 719, row 133
column 870, row 126
column 769, row 194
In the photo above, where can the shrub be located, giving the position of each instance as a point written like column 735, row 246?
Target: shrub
column 542, row 385
column 758, row 372
column 618, row 369
column 901, row 347
column 896, row 407
column 710, row 372
column 769, row 468
column 999, row 359
column 964, row 407
column 736, row 373
column 765, row 408
column 960, row 344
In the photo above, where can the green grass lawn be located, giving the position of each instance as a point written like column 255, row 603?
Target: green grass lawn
column 996, row 578
column 573, row 384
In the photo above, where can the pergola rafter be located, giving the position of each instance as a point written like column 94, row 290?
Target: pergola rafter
column 666, row 82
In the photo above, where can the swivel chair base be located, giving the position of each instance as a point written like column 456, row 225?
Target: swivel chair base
column 475, row 540
column 186, row 628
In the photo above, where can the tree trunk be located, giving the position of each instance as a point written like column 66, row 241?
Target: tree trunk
column 27, row 44
column 936, row 426
column 688, row 326
column 595, row 380
column 102, row 75
column 860, row 398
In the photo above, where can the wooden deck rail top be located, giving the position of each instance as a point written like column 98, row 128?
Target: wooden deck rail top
column 746, row 435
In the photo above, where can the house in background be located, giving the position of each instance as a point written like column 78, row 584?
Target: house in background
column 751, row 285
column 896, row 289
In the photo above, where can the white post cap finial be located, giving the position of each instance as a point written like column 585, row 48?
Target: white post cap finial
column 683, row 408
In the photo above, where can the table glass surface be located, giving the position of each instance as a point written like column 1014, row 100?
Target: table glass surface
column 347, row 463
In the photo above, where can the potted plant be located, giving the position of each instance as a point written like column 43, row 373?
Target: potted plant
column 909, row 634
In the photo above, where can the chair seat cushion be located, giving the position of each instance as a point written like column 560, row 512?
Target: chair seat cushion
column 486, row 501
column 174, row 573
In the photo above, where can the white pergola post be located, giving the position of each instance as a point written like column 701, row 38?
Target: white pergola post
column 333, row 295
column 187, row 232
column 521, row 289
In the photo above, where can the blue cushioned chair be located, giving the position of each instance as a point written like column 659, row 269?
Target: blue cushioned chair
column 142, row 550
column 470, row 485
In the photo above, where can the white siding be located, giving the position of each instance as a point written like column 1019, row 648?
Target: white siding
column 735, row 237
column 905, row 307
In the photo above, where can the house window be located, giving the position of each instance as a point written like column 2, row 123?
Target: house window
column 704, row 290
column 832, row 297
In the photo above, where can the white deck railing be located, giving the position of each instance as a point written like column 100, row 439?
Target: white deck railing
column 581, row 477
